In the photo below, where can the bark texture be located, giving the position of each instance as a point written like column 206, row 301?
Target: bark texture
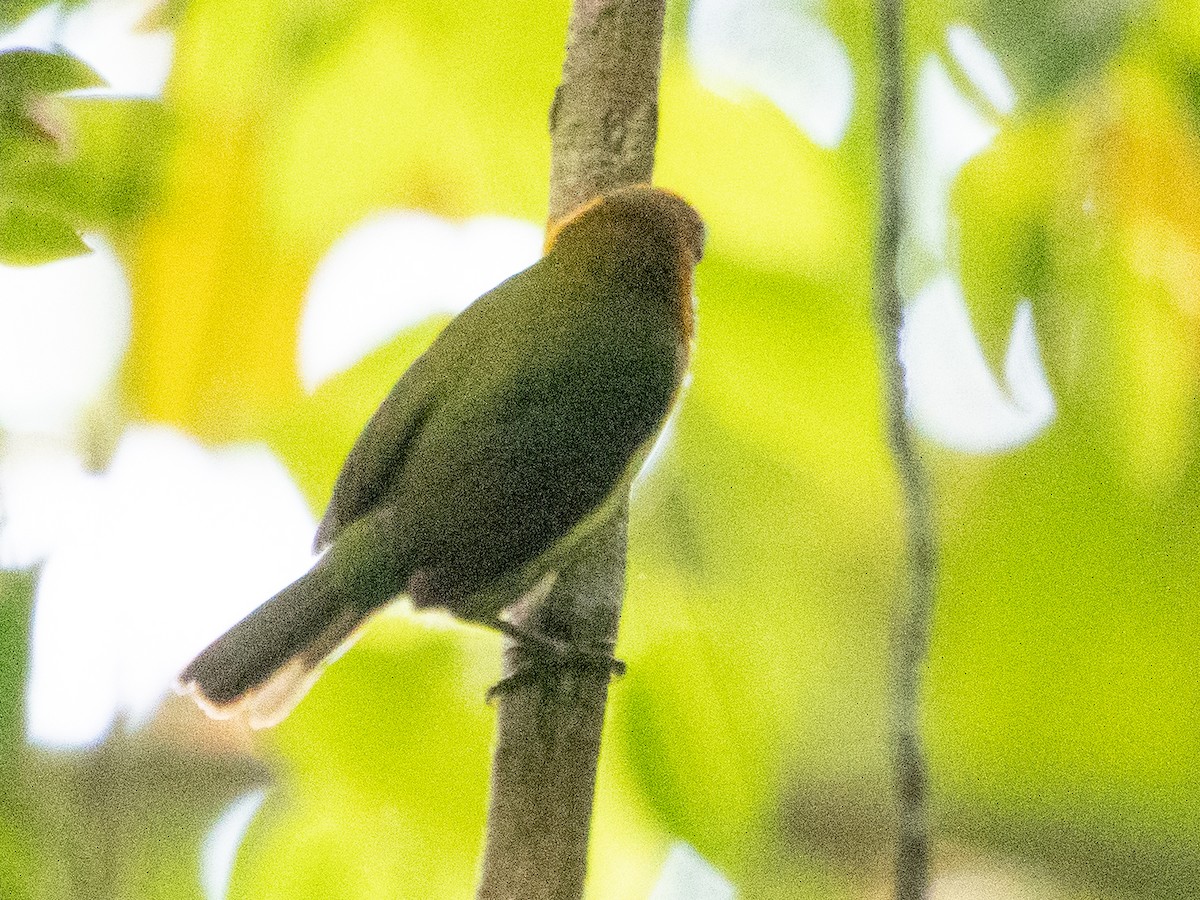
column 603, row 126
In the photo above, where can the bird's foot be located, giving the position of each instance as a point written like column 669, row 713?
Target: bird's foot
column 548, row 656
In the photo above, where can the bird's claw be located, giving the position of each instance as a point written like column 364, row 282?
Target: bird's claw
column 545, row 654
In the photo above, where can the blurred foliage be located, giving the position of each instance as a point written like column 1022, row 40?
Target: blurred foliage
column 16, row 832
column 16, row 605
column 32, row 141
column 1051, row 46
column 12, row 12
column 69, row 163
column 1063, row 700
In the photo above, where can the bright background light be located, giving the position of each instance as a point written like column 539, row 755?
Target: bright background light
column 64, row 327
column 164, row 551
column 947, row 131
column 108, row 35
column 780, row 50
column 981, row 66
column 221, row 846
column 686, row 875
column 395, row 269
column 953, row 396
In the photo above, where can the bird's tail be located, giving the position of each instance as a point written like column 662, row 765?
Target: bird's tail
column 263, row 666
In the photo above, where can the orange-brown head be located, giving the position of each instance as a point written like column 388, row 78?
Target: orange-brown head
column 652, row 226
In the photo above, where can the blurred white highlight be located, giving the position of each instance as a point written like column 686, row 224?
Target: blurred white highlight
column 947, row 131
column 396, row 269
column 981, row 66
column 686, row 875
column 106, row 35
column 781, row 50
column 64, row 326
column 953, row 396
column 159, row 555
column 658, row 449
column 219, row 853
column 43, row 486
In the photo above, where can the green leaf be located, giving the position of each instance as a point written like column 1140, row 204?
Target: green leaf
column 105, row 176
column 1005, row 200
column 1090, row 212
column 707, row 768
column 27, row 238
column 14, row 12
column 164, row 15
column 112, row 173
column 59, row 172
column 1048, row 47
column 25, row 72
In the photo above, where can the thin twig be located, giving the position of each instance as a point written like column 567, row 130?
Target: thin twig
column 603, row 125
column 914, row 613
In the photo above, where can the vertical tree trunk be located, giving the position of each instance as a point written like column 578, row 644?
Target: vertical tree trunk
column 603, row 125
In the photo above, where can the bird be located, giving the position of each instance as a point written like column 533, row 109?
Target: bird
column 493, row 454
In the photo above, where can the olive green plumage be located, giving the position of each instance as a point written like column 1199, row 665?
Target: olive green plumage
column 492, row 452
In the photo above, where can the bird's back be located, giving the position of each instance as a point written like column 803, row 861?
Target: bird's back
column 537, row 431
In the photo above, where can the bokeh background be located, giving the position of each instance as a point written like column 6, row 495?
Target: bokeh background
column 228, row 225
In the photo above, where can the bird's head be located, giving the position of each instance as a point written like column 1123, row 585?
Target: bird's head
column 636, row 217
column 654, row 236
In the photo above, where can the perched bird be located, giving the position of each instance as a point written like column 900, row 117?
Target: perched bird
column 494, row 452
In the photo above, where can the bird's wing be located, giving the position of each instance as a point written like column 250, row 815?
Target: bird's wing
column 502, row 476
column 379, row 451
column 472, row 344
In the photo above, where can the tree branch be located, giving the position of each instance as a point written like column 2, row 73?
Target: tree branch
column 603, row 126
column 604, row 118
column 914, row 612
